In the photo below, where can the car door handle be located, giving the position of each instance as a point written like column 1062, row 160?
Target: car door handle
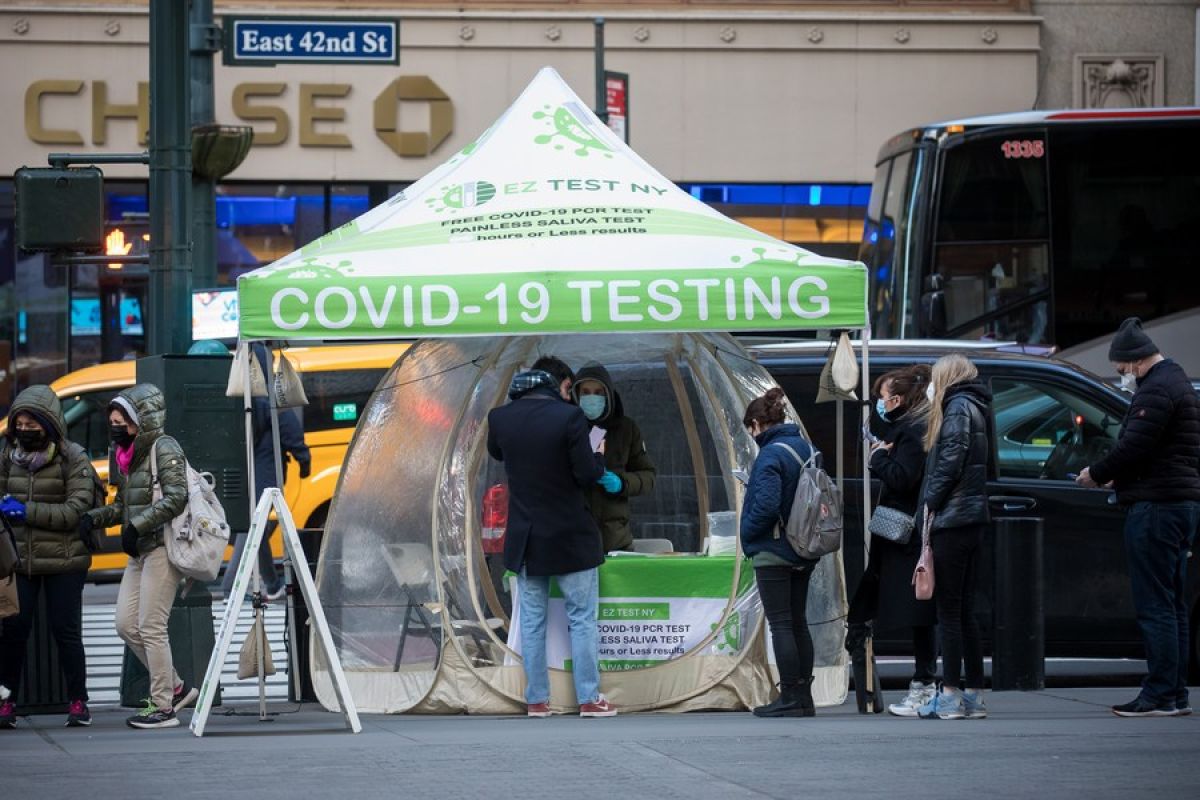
column 1012, row 502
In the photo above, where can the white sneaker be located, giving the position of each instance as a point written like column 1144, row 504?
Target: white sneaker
column 918, row 695
column 4, row 693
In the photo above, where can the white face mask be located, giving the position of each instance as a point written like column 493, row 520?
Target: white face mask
column 929, row 393
column 1128, row 382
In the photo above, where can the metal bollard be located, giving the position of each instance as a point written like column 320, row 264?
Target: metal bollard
column 1019, row 633
column 301, row 690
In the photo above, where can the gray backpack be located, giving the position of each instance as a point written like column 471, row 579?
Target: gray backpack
column 814, row 526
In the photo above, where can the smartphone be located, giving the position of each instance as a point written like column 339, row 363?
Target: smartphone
column 867, row 435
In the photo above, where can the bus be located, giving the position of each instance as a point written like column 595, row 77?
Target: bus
column 1042, row 228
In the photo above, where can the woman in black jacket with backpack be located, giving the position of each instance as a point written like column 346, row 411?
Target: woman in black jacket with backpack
column 955, row 494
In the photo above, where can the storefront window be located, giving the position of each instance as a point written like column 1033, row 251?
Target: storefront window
column 260, row 223
column 824, row 218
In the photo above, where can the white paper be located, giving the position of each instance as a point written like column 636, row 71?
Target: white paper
column 596, row 437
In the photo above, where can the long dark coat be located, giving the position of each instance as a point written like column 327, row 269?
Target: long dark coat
column 543, row 442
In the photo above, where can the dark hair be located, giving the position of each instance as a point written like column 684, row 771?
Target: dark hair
column 557, row 368
column 909, row 383
column 767, row 410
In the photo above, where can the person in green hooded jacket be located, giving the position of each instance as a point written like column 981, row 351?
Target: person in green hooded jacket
column 137, row 418
column 629, row 470
column 46, row 483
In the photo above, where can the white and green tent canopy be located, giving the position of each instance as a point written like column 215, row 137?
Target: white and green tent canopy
column 547, row 223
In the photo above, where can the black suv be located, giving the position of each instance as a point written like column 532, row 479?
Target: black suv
column 1051, row 420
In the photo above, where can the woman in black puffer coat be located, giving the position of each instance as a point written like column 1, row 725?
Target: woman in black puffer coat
column 885, row 594
column 955, row 493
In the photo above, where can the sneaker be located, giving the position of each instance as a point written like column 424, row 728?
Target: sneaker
column 918, row 695
column 183, row 697
column 946, row 704
column 974, row 705
column 78, row 715
column 538, row 710
column 151, row 717
column 600, row 708
column 4, row 692
column 1183, row 706
column 8, row 715
column 1140, row 707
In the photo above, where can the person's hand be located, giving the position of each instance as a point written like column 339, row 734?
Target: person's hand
column 880, row 444
column 12, row 508
column 600, row 449
column 86, row 523
column 129, row 532
column 611, row 482
column 1085, row 479
column 305, row 468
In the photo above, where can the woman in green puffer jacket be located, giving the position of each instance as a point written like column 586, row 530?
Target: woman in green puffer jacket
column 47, row 485
column 136, row 419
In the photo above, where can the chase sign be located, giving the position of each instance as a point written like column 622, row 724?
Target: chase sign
column 338, row 40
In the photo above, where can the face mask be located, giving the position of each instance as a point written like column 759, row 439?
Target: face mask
column 1128, row 382
column 881, row 409
column 31, row 440
column 592, row 405
column 929, row 393
column 120, row 435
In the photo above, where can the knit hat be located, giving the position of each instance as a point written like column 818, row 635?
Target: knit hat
column 126, row 408
column 1131, row 343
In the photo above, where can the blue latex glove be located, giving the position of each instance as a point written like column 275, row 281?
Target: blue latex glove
column 12, row 508
column 610, row 481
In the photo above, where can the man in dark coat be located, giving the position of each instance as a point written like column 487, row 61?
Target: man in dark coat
column 1155, row 471
column 630, row 471
column 543, row 442
column 291, row 443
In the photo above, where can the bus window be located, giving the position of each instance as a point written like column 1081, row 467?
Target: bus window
column 886, row 241
column 1127, row 208
column 992, row 246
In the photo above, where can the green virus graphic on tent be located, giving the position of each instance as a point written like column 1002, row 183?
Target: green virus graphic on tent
column 729, row 640
column 567, row 128
column 460, row 196
column 312, row 269
column 775, row 256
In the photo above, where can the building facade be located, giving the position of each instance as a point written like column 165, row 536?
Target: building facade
column 771, row 111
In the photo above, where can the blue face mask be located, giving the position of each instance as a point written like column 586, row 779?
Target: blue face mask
column 881, row 409
column 592, row 405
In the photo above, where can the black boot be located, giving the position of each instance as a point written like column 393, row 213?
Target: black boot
column 795, row 700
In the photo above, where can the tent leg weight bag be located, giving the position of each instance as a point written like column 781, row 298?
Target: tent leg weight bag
column 190, row 630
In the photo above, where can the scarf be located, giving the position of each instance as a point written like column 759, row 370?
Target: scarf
column 124, row 458
column 34, row 461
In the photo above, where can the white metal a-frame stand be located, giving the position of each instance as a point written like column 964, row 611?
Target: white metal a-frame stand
column 272, row 500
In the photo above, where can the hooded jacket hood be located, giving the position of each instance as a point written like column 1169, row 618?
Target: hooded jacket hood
column 974, row 390
column 41, row 402
column 151, row 408
column 614, row 409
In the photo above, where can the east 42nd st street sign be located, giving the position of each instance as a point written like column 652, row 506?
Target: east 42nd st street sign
column 265, row 41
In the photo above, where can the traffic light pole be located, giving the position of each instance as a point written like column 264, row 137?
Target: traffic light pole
column 204, row 40
column 169, row 303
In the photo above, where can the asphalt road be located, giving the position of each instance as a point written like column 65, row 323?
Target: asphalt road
column 1042, row 744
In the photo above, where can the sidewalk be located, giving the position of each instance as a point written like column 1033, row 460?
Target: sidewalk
column 1035, row 744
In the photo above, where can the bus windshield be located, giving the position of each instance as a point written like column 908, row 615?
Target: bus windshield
column 1044, row 232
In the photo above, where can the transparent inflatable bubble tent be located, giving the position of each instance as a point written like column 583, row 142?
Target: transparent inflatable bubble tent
column 410, row 573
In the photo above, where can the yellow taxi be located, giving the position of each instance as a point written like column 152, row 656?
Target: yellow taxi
column 338, row 381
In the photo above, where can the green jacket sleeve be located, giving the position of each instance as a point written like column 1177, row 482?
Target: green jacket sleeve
column 639, row 472
column 65, row 516
column 172, row 478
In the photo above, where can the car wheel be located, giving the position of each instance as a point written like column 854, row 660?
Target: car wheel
column 318, row 517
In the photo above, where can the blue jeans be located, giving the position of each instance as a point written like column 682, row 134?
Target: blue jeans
column 581, row 591
column 1157, row 537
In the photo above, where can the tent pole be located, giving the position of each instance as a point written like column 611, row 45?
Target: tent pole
column 273, row 400
column 866, row 451
column 841, row 446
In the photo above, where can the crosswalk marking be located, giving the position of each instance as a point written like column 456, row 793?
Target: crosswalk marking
column 105, row 652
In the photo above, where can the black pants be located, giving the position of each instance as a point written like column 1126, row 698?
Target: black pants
column 784, row 593
column 864, row 606
column 956, row 573
column 64, row 607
